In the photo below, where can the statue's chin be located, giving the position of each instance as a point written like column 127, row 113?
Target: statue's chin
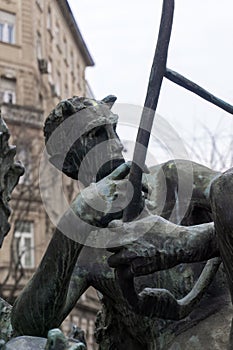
column 108, row 168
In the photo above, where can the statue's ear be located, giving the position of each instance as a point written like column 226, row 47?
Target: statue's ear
column 109, row 100
column 61, row 164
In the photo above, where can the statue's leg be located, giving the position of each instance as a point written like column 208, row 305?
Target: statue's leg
column 221, row 196
column 78, row 285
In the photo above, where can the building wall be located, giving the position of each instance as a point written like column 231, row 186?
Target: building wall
column 42, row 33
column 42, row 60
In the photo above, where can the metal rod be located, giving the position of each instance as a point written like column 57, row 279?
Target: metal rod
column 198, row 90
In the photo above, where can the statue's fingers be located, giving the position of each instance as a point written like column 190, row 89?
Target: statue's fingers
column 121, row 172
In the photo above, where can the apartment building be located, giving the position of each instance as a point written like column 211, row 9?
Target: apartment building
column 43, row 58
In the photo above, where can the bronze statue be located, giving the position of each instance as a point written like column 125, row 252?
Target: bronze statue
column 68, row 267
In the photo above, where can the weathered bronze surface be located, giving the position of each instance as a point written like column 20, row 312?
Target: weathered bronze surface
column 170, row 287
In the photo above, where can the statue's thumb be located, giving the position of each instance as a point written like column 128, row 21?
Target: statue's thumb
column 115, row 224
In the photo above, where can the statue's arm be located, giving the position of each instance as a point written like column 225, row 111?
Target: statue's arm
column 153, row 244
column 39, row 307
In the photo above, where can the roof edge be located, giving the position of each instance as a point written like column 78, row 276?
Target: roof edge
column 69, row 17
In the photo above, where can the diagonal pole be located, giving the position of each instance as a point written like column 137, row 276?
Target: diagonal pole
column 197, row 89
column 125, row 277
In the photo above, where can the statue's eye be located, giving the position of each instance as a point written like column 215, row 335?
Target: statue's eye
column 100, row 132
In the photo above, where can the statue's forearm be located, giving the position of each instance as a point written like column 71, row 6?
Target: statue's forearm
column 195, row 243
column 174, row 245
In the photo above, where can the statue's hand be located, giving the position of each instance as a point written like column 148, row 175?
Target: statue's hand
column 139, row 244
column 104, row 201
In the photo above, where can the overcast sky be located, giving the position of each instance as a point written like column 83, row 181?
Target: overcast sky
column 121, row 36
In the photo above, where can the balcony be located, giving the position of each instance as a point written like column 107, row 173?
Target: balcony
column 22, row 114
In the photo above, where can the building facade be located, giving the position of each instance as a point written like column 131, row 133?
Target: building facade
column 43, row 59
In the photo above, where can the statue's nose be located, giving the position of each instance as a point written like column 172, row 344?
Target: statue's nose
column 115, row 142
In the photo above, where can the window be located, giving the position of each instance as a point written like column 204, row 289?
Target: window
column 50, row 73
column 78, row 69
column 72, row 62
column 40, row 4
column 49, row 19
column 41, row 100
column 66, row 91
column 91, row 330
column 7, row 27
column 58, row 84
column 7, row 90
column 9, row 97
column 24, row 243
column 1, row 31
column 84, row 324
column 38, row 46
column 10, row 33
column 65, row 50
column 57, row 36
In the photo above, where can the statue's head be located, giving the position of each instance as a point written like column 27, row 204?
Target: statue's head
column 81, row 139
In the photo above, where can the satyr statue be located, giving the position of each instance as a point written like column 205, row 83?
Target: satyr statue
column 162, row 282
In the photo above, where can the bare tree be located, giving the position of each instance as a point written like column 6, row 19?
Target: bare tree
column 213, row 148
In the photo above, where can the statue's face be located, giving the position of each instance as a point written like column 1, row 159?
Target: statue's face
column 97, row 153
column 81, row 138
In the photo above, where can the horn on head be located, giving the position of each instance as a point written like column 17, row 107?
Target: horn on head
column 109, row 100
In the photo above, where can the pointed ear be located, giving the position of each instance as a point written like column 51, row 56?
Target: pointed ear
column 109, row 100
